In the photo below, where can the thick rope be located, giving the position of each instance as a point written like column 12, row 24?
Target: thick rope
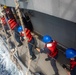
column 21, row 21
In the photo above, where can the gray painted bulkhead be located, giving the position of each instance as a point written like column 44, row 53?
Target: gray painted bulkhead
column 63, row 31
column 65, row 9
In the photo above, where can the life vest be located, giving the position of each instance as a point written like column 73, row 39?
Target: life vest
column 72, row 64
column 27, row 33
column 3, row 20
column 52, row 48
column 12, row 23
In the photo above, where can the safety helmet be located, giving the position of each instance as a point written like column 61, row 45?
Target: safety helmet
column 70, row 53
column 20, row 29
column 4, row 6
column 47, row 39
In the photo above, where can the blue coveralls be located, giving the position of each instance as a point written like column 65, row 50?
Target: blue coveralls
column 17, row 35
column 73, row 71
column 52, row 60
column 31, row 46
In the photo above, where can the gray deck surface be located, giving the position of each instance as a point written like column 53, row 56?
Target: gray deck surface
column 40, row 64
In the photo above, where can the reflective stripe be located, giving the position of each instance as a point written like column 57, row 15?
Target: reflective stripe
column 52, row 48
column 12, row 23
column 49, row 45
column 22, row 32
column 28, row 34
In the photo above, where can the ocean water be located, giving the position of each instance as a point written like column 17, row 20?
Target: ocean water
column 7, row 67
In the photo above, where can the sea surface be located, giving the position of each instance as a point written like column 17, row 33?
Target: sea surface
column 7, row 67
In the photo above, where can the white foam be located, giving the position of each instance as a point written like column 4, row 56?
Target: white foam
column 7, row 67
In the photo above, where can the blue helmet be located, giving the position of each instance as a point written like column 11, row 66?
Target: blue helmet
column 70, row 53
column 47, row 39
column 20, row 29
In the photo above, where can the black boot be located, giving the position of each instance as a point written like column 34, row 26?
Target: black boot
column 20, row 44
column 47, row 59
column 33, row 57
column 9, row 35
column 22, row 39
column 56, row 73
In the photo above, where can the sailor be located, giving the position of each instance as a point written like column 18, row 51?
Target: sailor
column 12, row 24
column 31, row 40
column 71, row 54
column 8, row 12
column 3, row 22
column 51, row 50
